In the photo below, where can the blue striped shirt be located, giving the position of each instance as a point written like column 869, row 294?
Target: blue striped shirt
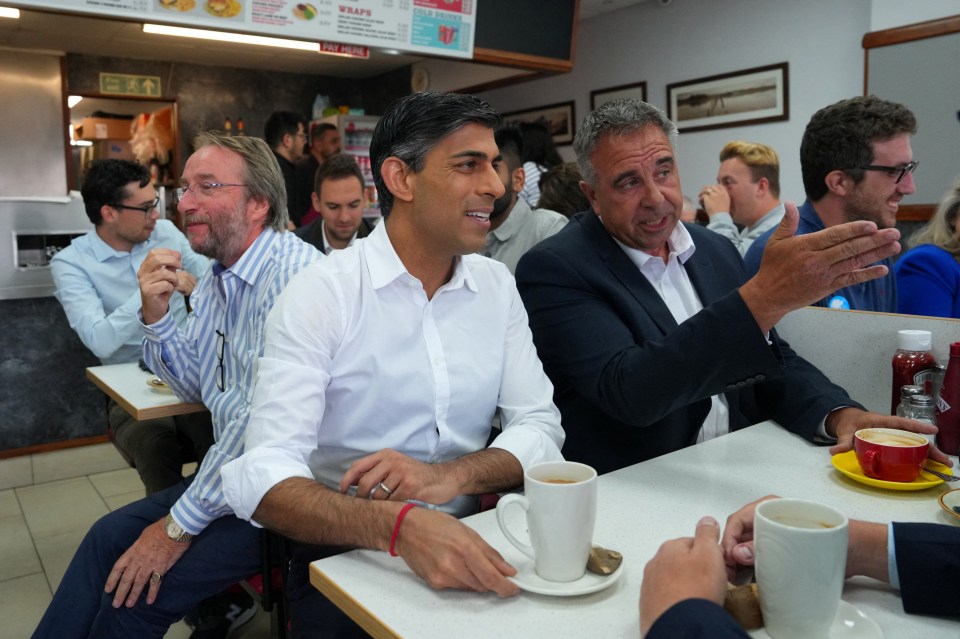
column 234, row 301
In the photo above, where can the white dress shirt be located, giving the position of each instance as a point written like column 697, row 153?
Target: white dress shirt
column 357, row 359
column 673, row 284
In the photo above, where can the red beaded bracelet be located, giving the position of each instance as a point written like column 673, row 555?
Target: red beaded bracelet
column 396, row 528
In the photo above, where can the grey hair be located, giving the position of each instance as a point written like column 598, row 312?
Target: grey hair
column 262, row 176
column 617, row 117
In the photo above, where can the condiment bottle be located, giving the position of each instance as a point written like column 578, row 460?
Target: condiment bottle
column 906, row 392
column 913, row 363
column 240, row 130
column 936, row 380
column 948, row 405
column 227, row 127
column 922, row 409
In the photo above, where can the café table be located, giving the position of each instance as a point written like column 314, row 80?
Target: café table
column 127, row 384
column 639, row 508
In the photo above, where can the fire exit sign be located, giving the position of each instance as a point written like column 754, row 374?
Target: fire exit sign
column 144, row 86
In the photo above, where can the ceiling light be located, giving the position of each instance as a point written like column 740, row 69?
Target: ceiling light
column 74, row 100
column 224, row 36
column 7, row 12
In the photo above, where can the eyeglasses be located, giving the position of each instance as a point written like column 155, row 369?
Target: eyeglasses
column 899, row 171
column 206, row 189
column 221, row 342
column 143, row 209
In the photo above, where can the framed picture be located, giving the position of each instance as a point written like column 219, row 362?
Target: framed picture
column 558, row 118
column 637, row 91
column 743, row 97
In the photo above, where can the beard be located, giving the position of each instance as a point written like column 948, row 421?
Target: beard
column 502, row 204
column 226, row 234
column 868, row 206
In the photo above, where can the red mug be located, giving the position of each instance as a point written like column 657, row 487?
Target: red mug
column 890, row 454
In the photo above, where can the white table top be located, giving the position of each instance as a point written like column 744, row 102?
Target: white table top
column 127, row 385
column 639, row 508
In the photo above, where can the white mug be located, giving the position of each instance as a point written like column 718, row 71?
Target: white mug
column 801, row 556
column 560, row 499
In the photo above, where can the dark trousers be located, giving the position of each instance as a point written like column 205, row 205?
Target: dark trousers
column 226, row 552
column 312, row 615
column 160, row 447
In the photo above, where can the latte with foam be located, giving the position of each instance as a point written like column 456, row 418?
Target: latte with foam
column 886, row 438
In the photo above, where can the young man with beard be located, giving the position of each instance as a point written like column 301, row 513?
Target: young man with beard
column 514, row 226
column 338, row 196
column 142, row 567
column 857, row 165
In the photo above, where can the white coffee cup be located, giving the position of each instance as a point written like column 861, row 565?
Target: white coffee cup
column 801, row 556
column 560, row 499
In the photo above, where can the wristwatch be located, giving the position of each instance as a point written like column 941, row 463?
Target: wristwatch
column 174, row 531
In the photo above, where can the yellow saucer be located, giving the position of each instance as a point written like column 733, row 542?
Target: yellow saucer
column 847, row 464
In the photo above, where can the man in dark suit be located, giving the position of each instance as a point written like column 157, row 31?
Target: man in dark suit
column 338, row 196
column 648, row 328
column 685, row 582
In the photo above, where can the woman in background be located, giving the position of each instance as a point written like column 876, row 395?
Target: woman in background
column 539, row 154
column 560, row 190
column 928, row 275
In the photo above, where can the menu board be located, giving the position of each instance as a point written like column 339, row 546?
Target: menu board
column 436, row 27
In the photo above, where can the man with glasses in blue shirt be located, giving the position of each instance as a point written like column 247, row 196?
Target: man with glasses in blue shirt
column 96, row 280
column 857, row 164
column 142, row 567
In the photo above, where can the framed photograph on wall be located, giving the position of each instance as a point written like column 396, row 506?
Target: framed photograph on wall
column 743, row 97
column 637, row 91
column 558, row 118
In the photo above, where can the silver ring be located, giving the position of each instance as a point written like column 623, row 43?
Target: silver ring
column 156, row 578
column 373, row 491
column 382, row 486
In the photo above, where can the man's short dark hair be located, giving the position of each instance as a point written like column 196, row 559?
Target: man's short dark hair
column 337, row 167
column 279, row 124
column 414, row 124
column 510, row 142
column 319, row 129
column 840, row 137
column 106, row 183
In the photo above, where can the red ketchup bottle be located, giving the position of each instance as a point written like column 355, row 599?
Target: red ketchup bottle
column 948, row 405
column 913, row 364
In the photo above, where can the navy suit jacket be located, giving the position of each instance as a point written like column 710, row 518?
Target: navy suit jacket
column 926, row 554
column 928, row 563
column 630, row 383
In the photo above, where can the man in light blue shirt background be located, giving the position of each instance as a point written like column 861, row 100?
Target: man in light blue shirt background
column 96, row 281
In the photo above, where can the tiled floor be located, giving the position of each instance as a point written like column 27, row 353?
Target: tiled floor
column 47, row 503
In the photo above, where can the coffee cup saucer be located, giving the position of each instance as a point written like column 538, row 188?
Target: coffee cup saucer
column 159, row 385
column 849, row 623
column 527, row 579
column 847, row 464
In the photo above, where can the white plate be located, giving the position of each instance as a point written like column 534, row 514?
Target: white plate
column 849, row 623
column 528, row 580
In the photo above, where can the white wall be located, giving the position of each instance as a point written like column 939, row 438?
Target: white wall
column 690, row 39
column 887, row 14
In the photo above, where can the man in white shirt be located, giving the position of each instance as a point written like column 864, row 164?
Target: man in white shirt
column 338, row 196
column 515, row 227
column 747, row 194
column 96, row 280
column 382, row 371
